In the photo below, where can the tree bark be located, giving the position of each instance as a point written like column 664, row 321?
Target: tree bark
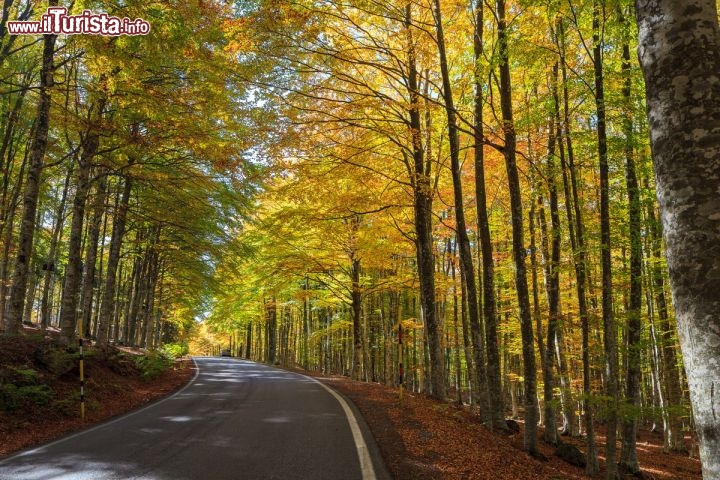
column 528, row 343
column 7, row 242
column 628, row 454
column 356, row 304
column 487, row 409
column 271, row 319
column 492, row 347
column 553, row 288
column 680, row 58
column 609, row 327
column 32, row 188
column 138, row 301
column 580, row 256
column 50, row 263
column 91, row 255
column 422, row 202
column 73, row 273
column 107, row 305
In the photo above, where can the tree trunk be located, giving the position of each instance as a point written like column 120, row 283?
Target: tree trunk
column 680, row 57
column 141, row 277
column 528, row 343
column 306, row 321
column 7, row 242
column 271, row 318
column 494, row 383
column 73, row 273
column 32, row 188
column 540, row 216
column 628, row 454
column 149, row 314
column 467, row 345
column 357, row 361
column 423, row 196
column 50, row 263
column 107, row 305
column 553, row 288
column 91, row 254
column 8, row 148
column 673, row 429
column 487, row 410
column 609, row 327
column 580, row 256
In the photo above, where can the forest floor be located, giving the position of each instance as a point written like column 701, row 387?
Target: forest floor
column 419, row 438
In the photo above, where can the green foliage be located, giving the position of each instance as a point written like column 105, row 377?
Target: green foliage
column 20, row 376
column 153, row 364
column 174, row 350
column 13, row 397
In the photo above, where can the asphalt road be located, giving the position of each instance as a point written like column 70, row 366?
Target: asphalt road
column 236, row 420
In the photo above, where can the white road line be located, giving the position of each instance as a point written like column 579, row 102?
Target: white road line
column 366, row 464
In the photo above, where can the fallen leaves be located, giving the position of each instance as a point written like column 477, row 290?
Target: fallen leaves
column 423, row 439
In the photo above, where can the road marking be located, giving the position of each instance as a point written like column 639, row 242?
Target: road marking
column 366, row 464
column 105, row 424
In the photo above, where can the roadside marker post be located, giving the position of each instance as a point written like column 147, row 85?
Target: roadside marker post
column 82, row 371
column 401, row 370
column 82, row 381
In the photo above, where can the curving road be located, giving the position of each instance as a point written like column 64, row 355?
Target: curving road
column 235, row 420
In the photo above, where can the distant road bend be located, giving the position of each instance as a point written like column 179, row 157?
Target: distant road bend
column 236, row 420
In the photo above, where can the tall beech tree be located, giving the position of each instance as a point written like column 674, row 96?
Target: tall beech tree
column 70, row 296
column 483, row 223
column 609, row 327
column 518, row 242
column 628, row 454
column 680, row 56
column 488, row 410
column 36, row 164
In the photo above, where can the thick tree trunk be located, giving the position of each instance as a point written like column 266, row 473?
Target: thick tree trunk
column 32, row 189
column 528, row 343
column 73, row 273
column 423, row 196
column 673, row 428
column 680, row 57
